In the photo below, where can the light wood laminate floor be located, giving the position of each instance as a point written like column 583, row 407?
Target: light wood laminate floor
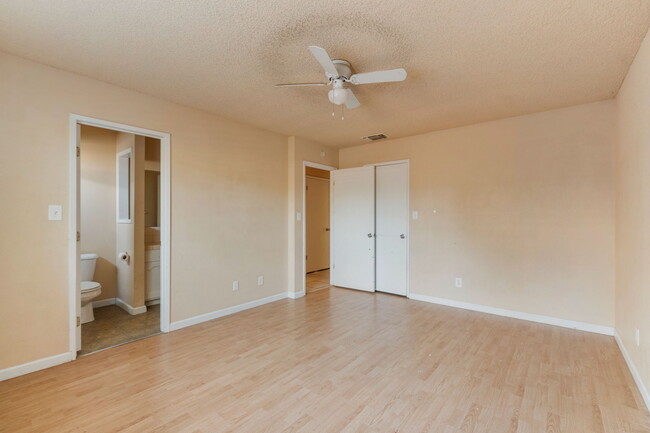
column 339, row 361
column 317, row 280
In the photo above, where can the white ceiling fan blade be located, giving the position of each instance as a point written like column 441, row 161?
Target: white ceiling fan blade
column 351, row 101
column 324, row 60
column 300, row 84
column 379, row 76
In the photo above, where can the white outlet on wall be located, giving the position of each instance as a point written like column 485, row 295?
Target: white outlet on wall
column 54, row 212
column 260, row 280
column 235, row 285
column 459, row 282
column 637, row 337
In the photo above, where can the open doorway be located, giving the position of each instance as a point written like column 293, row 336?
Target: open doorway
column 317, row 228
column 119, row 261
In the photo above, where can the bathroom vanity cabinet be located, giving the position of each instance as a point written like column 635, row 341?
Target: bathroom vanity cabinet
column 152, row 275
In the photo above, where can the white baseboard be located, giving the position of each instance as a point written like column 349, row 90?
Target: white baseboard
column 295, row 295
column 129, row 308
column 582, row 326
column 152, row 302
column 224, row 312
column 30, row 367
column 103, row 303
column 635, row 373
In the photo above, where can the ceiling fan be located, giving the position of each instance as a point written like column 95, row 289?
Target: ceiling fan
column 339, row 72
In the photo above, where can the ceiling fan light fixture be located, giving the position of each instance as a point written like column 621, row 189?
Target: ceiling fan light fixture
column 338, row 96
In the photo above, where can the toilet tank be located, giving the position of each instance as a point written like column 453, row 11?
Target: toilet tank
column 88, row 266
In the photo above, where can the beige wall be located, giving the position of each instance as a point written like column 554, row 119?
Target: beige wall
column 299, row 151
column 97, row 179
column 633, row 212
column 524, row 211
column 130, row 236
column 229, row 203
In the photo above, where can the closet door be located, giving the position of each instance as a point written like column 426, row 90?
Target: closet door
column 353, row 228
column 392, row 227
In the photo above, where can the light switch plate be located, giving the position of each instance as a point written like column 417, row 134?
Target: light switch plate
column 54, row 212
column 298, row 216
column 235, row 285
column 415, row 215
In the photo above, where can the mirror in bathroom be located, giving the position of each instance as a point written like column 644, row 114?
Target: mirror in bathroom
column 124, row 186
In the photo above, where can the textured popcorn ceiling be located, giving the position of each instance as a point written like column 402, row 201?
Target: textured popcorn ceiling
column 468, row 60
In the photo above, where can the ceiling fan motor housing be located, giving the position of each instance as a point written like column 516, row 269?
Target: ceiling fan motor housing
column 344, row 69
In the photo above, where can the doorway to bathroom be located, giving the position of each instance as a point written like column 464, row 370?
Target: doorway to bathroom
column 316, row 226
column 119, row 260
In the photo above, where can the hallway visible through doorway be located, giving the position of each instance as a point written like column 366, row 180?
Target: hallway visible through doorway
column 317, row 280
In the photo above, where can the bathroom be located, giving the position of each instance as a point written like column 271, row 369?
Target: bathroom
column 119, row 237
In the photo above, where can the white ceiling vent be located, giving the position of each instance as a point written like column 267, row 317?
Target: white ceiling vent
column 375, row 137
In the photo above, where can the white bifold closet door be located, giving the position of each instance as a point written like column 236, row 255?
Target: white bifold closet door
column 392, row 219
column 353, row 228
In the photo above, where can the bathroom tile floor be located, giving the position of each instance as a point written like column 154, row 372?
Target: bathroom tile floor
column 113, row 326
column 317, row 280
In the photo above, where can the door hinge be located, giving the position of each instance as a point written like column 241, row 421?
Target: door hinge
column 78, row 236
column 307, row 188
column 306, row 257
column 78, row 321
column 78, row 151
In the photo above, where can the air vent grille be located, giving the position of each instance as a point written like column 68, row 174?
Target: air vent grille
column 375, row 137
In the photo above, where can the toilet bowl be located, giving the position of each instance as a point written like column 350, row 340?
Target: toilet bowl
column 89, row 289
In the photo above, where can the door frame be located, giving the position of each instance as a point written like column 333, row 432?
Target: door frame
column 306, row 164
column 408, row 224
column 75, row 120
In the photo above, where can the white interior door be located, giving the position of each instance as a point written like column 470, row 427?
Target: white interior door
column 353, row 228
column 392, row 218
column 317, row 223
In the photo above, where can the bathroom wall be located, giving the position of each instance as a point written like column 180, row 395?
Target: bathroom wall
column 151, row 182
column 98, row 231
column 151, row 154
column 151, row 198
column 130, row 236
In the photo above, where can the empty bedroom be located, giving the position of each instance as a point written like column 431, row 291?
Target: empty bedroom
column 387, row 216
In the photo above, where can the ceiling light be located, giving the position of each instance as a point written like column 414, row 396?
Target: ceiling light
column 338, row 96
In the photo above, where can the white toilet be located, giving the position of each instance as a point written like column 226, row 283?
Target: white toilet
column 89, row 289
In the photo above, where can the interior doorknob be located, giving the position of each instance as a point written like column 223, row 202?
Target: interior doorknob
column 402, row 236
column 369, row 235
